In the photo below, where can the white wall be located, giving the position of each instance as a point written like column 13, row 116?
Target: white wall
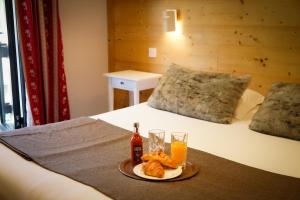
column 84, row 29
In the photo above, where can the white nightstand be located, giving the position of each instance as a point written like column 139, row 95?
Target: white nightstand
column 133, row 81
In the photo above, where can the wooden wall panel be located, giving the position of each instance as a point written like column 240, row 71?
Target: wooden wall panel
column 256, row 37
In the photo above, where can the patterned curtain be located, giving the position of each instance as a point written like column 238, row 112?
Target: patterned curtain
column 42, row 56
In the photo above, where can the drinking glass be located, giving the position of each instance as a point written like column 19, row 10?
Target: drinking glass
column 179, row 147
column 156, row 140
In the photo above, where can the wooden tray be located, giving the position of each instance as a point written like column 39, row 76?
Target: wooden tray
column 126, row 168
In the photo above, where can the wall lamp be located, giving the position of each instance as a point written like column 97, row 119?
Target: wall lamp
column 170, row 19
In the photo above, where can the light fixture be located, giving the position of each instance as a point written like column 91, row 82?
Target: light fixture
column 170, row 18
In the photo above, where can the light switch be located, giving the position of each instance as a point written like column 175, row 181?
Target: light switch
column 152, row 52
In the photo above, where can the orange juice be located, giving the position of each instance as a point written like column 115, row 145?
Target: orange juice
column 178, row 152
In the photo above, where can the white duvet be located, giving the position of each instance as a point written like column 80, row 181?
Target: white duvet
column 21, row 179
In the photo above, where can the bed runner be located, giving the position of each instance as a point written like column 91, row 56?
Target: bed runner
column 90, row 151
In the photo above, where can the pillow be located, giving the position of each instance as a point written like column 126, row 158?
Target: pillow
column 279, row 114
column 208, row 96
column 247, row 103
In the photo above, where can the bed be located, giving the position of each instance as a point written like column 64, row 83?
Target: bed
column 214, row 109
column 21, row 179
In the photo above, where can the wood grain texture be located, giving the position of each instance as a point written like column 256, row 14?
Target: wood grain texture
column 256, row 37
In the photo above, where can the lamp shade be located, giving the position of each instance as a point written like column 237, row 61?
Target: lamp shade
column 170, row 17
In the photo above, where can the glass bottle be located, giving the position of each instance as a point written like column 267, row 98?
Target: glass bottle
column 136, row 145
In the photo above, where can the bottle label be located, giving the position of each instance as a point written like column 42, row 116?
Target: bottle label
column 137, row 153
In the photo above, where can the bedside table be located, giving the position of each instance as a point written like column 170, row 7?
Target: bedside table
column 132, row 81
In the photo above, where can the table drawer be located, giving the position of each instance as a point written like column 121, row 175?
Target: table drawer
column 122, row 84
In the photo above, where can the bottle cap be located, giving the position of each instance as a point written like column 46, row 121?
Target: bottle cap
column 136, row 125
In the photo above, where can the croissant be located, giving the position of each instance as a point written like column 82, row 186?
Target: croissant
column 153, row 168
column 160, row 156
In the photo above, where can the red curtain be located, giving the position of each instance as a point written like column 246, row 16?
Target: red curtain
column 42, row 56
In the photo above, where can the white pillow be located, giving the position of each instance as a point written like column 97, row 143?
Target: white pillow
column 249, row 101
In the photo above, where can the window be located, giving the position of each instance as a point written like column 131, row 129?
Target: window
column 12, row 86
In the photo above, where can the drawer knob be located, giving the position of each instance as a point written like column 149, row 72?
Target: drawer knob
column 122, row 82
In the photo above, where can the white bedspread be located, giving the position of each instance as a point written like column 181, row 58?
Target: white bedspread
column 21, row 179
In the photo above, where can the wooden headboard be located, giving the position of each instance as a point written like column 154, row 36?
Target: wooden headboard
column 260, row 38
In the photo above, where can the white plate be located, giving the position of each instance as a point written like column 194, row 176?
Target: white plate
column 169, row 173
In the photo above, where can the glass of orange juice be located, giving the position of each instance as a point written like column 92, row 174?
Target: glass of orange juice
column 179, row 147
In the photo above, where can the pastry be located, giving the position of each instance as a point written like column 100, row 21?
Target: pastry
column 160, row 156
column 153, row 168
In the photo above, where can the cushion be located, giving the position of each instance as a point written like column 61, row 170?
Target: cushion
column 249, row 101
column 279, row 114
column 208, row 96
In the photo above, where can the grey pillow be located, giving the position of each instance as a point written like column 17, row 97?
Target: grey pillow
column 208, row 96
column 279, row 114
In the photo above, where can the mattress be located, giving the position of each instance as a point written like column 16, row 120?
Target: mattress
column 21, row 179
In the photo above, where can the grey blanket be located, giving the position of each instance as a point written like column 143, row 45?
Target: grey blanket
column 90, row 151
